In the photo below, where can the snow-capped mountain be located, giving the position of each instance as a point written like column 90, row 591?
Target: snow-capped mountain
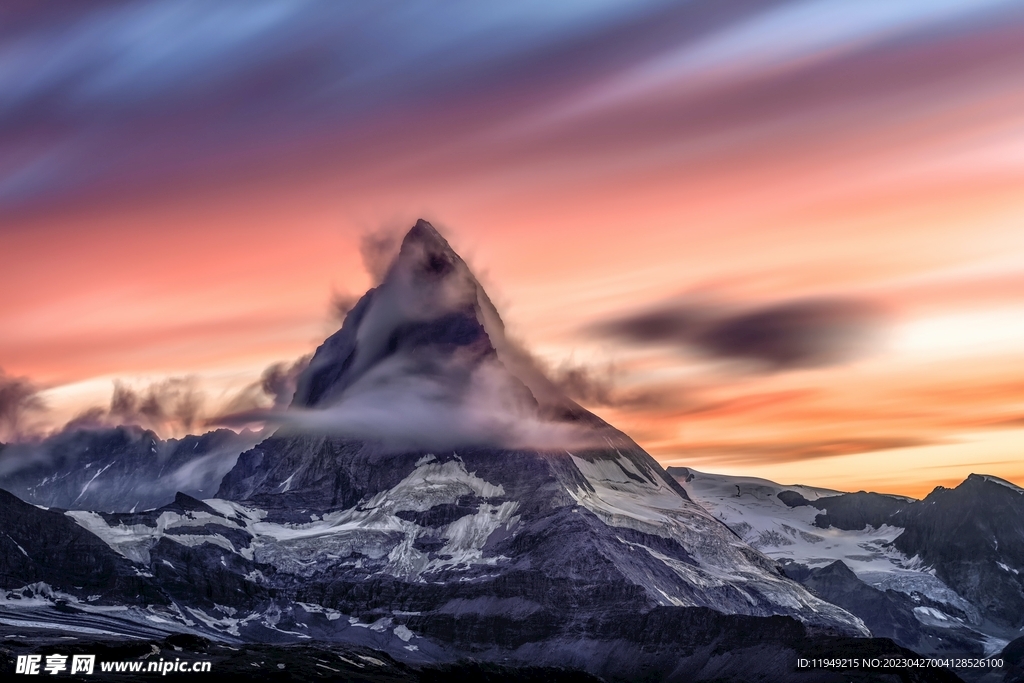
column 430, row 494
column 512, row 459
column 938, row 575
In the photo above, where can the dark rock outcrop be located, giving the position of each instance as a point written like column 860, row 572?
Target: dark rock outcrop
column 1013, row 661
column 851, row 511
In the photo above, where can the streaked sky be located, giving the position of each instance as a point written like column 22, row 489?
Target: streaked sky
column 184, row 187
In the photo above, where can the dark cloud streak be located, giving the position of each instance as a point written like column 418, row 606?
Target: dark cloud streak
column 785, row 336
column 138, row 92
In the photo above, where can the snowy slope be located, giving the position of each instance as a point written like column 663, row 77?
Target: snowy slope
column 751, row 507
column 721, row 565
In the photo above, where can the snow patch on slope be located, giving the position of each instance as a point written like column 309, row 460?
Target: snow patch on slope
column 134, row 541
column 751, row 507
column 372, row 530
column 433, row 483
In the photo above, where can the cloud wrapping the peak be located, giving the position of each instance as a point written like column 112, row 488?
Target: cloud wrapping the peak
column 400, row 408
column 278, row 380
column 272, row 392
column 423, row 363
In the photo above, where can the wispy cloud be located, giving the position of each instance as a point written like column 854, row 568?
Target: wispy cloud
column 755, row 452
column 19, row 398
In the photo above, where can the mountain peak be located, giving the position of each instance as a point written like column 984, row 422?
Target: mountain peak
column 425, row 233
column 428, row 317
column 425, row 252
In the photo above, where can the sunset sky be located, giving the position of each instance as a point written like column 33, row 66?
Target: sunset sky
column 645, row 188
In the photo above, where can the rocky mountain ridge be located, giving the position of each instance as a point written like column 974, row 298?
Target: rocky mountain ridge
column 940, row 575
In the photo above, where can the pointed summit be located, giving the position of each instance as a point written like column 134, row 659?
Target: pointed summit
column 426, row 234
column 425, row 252
column 423, row 230
column 428, row 316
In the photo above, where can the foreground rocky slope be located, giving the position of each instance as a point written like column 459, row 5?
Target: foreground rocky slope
column 356, row 664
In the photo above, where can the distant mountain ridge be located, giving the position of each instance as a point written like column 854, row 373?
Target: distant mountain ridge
column 944, row 574
column 971, row 535
column 119, row 468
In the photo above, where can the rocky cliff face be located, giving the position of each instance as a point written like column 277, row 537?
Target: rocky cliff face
column 219, row 570
column 971, row 537
column 48, row 549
